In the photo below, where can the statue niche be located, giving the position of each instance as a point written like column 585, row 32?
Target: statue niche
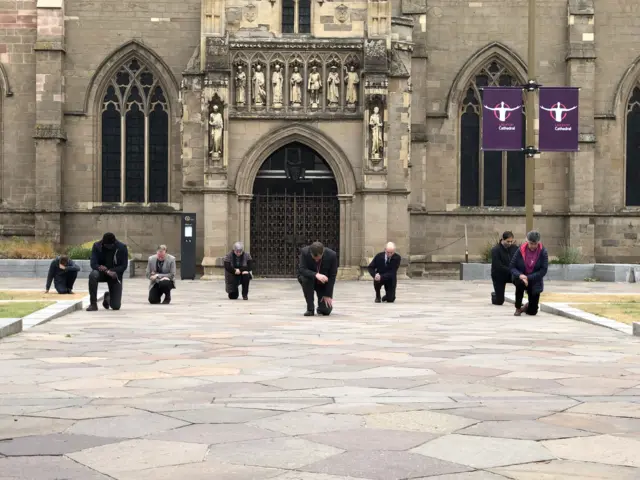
column 240, row 83
column 314, row 83
column 352, row 82
column 277, row 84
column 333, row 85
column 216, row 128
column 259, row 85
column 376, row 129
column 295, row 83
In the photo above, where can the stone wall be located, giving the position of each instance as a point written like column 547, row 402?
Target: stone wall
column 17, row 117
column 141, row 232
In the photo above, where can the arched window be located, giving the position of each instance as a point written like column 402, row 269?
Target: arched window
column 487, row 179
column 135, row 137
column 633, row 150
column 296, row 16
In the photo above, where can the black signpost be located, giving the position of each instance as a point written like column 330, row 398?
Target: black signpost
column 188, row 247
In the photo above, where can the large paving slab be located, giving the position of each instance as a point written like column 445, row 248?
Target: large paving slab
column 440, row 385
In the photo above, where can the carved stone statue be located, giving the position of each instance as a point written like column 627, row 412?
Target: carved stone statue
column 333, row 88
column 259, row 90
column 352, row 80
column 241, row 86
column 375, row 124
column 314, row 86
column 295, row 95
column 216, row 125
column 276, row 86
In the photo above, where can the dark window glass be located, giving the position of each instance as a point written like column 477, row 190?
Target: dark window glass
column 304, row 16
column 158, row 155
column 111, row 154
column 516, row 174
column 492, row 179
column 134, row 155
column 288, row 16
column 633, row 150
column 469, row 158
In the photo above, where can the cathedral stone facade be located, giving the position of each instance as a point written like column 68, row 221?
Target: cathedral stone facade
column 281, row 122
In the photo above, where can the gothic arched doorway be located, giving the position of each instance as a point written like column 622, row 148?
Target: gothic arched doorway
column 295, row 202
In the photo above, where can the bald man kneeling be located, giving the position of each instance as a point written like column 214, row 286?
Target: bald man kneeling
column 384, row 270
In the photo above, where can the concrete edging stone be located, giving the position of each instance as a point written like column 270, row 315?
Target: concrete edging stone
column 603, row 272
column 26, row 268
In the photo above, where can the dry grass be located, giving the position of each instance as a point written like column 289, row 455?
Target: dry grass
column 21, row 309
column 38, row 295
column 620, row 312
column 16, row 248
column 588, row 298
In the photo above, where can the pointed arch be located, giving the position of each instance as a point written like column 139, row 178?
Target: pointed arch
column 5, row 86
column 625, row 87
column 487, row 178
column 130, row 98
column 493, row 51
column 112, row 62
column 297, row 132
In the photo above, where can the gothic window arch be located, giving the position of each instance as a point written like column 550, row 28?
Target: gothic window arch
column 296, row 16
column 632, row 169
column 487, row 179
column 135, row 137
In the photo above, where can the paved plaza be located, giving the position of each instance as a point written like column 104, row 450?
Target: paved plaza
column 440, row 385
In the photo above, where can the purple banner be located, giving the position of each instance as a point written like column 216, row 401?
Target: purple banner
column 559, row 119
column 502, row 118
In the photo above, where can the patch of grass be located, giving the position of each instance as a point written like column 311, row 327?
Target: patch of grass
column 79, row 252
column 18, row 248
column 568, row 256
column 21, row 309
column 589, row 298
column 624, row 312
column 38, row 295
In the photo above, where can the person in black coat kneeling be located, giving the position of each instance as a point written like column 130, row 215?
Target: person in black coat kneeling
column 317, row 274
column 529, row 266
column 384, row 270
column 109, row 260
column 501, row 256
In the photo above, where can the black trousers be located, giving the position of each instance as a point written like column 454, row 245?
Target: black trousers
column 114, row 284
column 162, row 287
column 311, row 286
column 389, row 288
column 499, row 285
column 66, row 285
column 534, row 298
column 242, row 279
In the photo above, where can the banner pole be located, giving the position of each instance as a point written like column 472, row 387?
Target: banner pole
column 531, row 115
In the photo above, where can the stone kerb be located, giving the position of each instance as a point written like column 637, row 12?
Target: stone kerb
column 568, row 273
column 40, row 268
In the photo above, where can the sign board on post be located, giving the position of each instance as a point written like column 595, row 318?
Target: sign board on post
column 188, row 247
column 502, row 118
column 558, row 113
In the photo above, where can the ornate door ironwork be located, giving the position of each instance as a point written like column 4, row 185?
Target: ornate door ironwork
column 283, row 223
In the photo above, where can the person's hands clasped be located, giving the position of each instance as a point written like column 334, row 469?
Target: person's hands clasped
column 322, row 278
column 237, row 271
column 525, row 280
column 102, row 268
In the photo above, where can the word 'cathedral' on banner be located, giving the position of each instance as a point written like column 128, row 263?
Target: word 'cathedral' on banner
column 558, row 113
column 502, row 118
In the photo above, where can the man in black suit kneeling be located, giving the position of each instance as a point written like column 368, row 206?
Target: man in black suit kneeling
column 317, row 273
column 384, row 270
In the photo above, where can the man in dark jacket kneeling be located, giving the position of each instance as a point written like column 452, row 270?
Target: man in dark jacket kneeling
column 63, row 273
column 317, row 274
column 109, row 260
column 501, row 256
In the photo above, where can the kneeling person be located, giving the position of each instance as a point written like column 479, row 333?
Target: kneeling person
column 63, row 273
column 161, row 272
column 238, row 265
column 109, row 260
column 384, row 270
column 317, row 273
column 501, row 255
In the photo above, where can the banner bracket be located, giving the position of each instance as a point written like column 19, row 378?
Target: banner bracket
column 531, row 86
column 531, row 151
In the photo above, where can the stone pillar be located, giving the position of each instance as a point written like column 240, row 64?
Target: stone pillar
column 581, row 72
column 49, row 132
column 244, row 220
column 346, row 270
column 216, row 234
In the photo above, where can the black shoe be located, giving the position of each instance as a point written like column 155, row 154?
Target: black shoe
column 378, row 300
column 384, row 299
column 167, row 299
column 92, row 308
column 309, row 313
column 70, row 292
column 106, row 303
column 245, row 297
